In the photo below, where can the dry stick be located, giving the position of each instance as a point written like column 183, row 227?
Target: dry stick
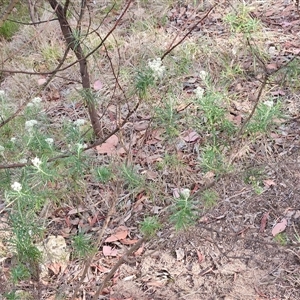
column 171, row 48
column 117, row 265
column 7, row 11
column 75, row 45
column 78, row 60
column 88, row 262
column 37, row 93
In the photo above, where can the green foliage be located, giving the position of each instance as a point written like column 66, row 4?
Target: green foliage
column 209, row 198
column 167, row 117
column 212, row 159
column 282, row 239
column 265, row 117
column 150, row 226
column 183, row 211
column 143, row 80
column 241, row 21
column 82, row 245
column 131, row 178
column 213, row 113
column 103, row 174
column 12, row 296
column 8, row 29
column 19, row 272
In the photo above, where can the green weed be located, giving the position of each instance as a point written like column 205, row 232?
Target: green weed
column 209, row 198
column 82, row 245
column 183, row 211
column 282, row 239
column 150, row 226
column 265, row 117
column 240, row 21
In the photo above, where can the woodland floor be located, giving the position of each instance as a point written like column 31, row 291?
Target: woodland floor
column 230, row 253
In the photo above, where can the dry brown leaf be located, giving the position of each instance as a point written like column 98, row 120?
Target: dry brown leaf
column 191, row 137
column 156, row 283
column 119, row 235
column 128, row 241
column 200, row 256
column 139, row 251
column 98, row 85
column 140, row 126
column 109, row 251
column 279, row 227
column 269, row 182
column 55, row 267
column 263, row 222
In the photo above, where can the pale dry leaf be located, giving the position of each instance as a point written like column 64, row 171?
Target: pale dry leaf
column 114, row 140
column 41, row 81
column 109, row 251
column 269, row 182
column 139, row 251
column 191, row 137
column 120, row 234
column 140, row 126
column 98, row 85
column 279, row 227
column 179, row 254
column 128, row 241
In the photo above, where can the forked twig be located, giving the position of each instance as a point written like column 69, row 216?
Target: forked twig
column 171, row 48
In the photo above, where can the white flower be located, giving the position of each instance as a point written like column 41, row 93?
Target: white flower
column 36, row 162
column 29, row 124
column 2, row 93
column 36, row 100
column 1, row 149
column 49, row 141
column 157, row 68
column 203, row 75
column 79, row 122
column 23, row 161
column 199, row 91
column 16, row 186
column 30, row 104
column 185, row 193
column 13, row 139
column 81, row 146
column 269, row 103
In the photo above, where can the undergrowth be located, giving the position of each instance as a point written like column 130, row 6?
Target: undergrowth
column 43, row 178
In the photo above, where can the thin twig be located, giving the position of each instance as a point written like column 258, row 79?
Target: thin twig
column 99, row 242
column 171, row 48
column 117, row 265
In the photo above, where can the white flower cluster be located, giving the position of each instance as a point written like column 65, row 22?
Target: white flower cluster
column 13, row 139
column 35, row 102
column 203, row 75
column 269, row 103
column 49, row 141
column 36, row 162
column 199, row 91
column 185, row 193
column 80, row 146
column 79, row 122
column 30, row 124
column 16, row 186
column 157, row 68
column 2, row 93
